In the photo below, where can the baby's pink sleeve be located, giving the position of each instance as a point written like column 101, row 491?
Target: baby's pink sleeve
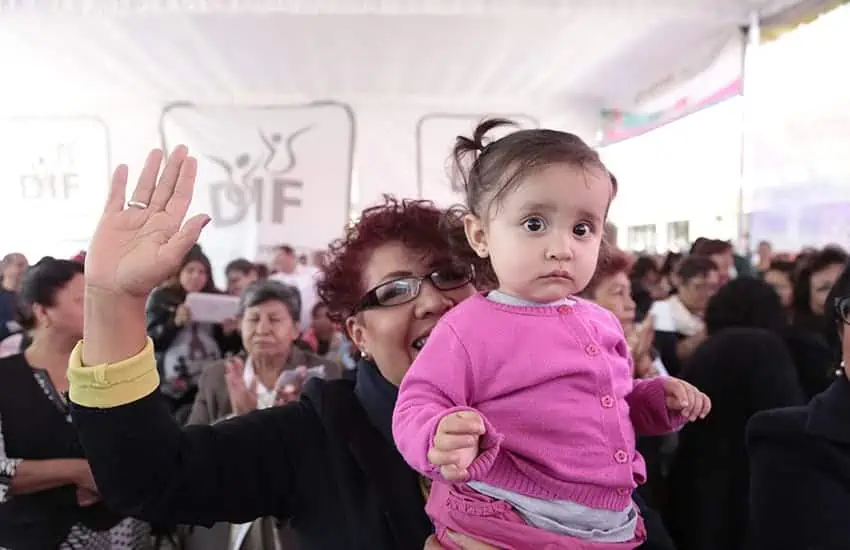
column 648, row 408
column 439, row 383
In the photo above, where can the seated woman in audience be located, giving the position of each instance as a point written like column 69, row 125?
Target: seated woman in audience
column 611, row 288
column 811, row 331
column 274, row 368
column 781, row 274
column 271, row 374
column 327, row 462
column 184, row 347
column 800, row 456
column 48, row 498
column 745, row 367
column 678, row 320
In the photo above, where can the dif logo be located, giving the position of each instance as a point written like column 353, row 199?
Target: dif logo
column 253, row 183
column 52, row 176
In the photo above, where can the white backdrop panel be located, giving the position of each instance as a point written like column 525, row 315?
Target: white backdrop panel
column 54, row 173
column 267, row 175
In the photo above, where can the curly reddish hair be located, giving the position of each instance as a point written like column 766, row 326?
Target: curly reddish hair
column 612, row 260
column 416, row 224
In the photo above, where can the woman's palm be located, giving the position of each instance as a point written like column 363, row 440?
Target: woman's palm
column 134, row 249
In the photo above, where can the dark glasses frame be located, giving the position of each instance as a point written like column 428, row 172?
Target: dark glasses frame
column 370, row 299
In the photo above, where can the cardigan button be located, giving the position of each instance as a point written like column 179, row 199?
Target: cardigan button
column 607, row 401
column 592, row 350
column 621, row 456
column 565, row 310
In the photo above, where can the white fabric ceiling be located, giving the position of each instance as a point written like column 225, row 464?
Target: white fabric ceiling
column 585, row 52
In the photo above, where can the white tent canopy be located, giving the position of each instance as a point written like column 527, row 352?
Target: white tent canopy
column 591, row 52
column 396, row 80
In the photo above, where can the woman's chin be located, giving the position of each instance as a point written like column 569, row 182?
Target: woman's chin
column 265, row 350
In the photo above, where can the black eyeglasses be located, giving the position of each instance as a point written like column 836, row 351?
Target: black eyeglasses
column 406, row 289
column 842, row 309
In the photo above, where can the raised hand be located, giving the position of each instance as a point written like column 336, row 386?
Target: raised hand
column 138, row 245
column 456, row 444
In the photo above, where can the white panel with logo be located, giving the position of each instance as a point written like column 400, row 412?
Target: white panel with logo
column 267, row 175
column 436, row 134
column 54, row 173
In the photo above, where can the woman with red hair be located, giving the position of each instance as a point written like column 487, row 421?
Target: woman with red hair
column 326, row 462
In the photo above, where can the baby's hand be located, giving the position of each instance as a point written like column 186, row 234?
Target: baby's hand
column 686, row 399
column 456, row 444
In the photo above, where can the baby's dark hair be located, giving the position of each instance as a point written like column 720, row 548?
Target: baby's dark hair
column 488, row 169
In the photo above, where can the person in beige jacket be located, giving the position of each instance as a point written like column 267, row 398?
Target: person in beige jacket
column 270, row 373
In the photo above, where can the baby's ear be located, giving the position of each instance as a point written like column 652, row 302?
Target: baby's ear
column 476, row 234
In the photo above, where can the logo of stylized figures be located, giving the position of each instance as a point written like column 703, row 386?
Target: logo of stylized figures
column 249, row 178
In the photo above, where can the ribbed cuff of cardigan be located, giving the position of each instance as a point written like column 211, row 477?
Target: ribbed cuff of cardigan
column 112, row 384
column 488, row 446
column 648, row 408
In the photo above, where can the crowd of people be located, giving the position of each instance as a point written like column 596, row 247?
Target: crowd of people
column 497, row 376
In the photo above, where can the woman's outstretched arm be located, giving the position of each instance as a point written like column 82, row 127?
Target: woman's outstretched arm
column 144, row 464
